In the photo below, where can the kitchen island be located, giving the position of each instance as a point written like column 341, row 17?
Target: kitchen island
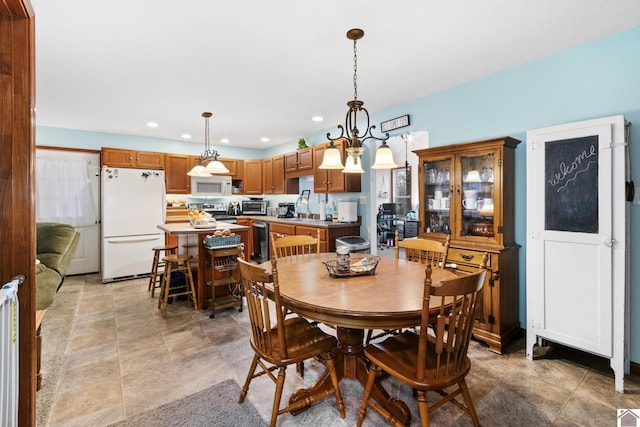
column 190, row 242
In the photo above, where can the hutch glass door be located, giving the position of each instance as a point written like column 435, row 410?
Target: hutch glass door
column 437, row 188
column 477, row 197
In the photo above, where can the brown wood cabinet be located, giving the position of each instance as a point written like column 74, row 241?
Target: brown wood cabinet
column 117, row 157
column 273, row 179
column 176, row 168
column 328, row 236
column 333, row 181
column 253, row 177
column 468, row 192
column 248, row 245
column 299, row 163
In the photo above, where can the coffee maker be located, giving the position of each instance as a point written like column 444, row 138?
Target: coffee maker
column 286, row 210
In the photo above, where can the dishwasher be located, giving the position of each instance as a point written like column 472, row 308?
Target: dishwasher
column 260, row 241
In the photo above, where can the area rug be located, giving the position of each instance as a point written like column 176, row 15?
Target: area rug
column 215, row 406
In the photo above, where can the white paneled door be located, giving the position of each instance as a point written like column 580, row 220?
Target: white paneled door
column 576, row 238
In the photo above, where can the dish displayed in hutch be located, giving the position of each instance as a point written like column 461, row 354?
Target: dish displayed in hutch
column 467, row 191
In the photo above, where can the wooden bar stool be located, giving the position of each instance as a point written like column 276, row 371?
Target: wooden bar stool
column 174, row 264
column 157, row 266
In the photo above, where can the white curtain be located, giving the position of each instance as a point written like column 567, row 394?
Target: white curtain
column 63, row 192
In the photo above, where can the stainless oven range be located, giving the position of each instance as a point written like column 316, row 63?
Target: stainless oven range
column 217, row 211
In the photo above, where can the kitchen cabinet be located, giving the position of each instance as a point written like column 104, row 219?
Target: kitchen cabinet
column 328, row 236
column 299, row 163
column 116, row 157
column 176, row 168
column 273, row 179
column 252, row 183
column 467, row 191
column 333, row 181
column 248, row 245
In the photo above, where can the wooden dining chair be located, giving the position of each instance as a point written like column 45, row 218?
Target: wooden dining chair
column 303, row 244
column 278, row 341
column 434, row 359
column 425, row 251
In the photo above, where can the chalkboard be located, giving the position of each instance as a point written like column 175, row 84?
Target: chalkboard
column 571, row 185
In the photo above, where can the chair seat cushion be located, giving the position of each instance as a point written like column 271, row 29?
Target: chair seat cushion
column 398, row 355
column 304, row 340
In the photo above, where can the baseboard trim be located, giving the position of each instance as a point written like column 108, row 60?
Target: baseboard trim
column 634, row 368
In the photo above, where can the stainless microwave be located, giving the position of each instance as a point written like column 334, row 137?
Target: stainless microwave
column 210, row 186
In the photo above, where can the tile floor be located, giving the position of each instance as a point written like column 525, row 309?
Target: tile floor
column 123, row 358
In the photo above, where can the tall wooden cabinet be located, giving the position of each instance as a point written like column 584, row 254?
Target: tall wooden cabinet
column 467, row 191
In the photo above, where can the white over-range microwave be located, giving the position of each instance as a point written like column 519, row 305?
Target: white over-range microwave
column 210, row 186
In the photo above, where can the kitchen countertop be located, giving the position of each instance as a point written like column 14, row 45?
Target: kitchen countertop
column 186, row 228
column 301, row 221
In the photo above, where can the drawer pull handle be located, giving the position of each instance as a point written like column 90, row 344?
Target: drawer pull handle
column 467, row 257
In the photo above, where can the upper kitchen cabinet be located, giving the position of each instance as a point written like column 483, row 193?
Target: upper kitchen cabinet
column 176, row 168
column 299, row 163
column 116, row 157
column 333, row 181
column 273, row 179
column 467, row 191
column 252, row 183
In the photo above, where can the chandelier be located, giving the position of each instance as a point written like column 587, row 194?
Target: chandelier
column 215, row 166
column 351, row 134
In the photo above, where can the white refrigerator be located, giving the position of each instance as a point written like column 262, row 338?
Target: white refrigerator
column 133, row 204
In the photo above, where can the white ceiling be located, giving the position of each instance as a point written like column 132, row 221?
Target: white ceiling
column 264, row 68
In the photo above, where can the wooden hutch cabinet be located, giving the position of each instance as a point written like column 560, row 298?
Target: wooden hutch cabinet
column 467, row 191
column 333, row 181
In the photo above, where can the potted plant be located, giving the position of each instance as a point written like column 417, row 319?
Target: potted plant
column 302, row 144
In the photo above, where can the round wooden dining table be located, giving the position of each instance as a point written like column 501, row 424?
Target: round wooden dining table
column 389, row 299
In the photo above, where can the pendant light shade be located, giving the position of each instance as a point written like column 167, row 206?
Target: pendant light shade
column 198, row 170
column 332, row 158
column 384, row 158
column 216, row 167
column 353, row 165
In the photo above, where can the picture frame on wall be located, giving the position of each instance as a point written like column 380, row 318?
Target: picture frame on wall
column 401, row 189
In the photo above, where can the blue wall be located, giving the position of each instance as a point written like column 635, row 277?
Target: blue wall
column 595, row 80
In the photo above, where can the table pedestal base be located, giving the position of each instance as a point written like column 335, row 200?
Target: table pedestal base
column 350, row 363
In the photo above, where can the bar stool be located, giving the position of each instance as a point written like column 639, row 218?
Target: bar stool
column 155, row 277
column 174, row 264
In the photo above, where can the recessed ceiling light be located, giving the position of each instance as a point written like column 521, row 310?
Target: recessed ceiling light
column 263, row 139
column 317, row 118
column 186, row 136
column 224, row 140
column 152, row 124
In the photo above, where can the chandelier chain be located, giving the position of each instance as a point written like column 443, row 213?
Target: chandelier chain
column 355, row 70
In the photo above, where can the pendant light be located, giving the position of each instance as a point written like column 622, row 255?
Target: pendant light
column 350, row 132
column 215, row 166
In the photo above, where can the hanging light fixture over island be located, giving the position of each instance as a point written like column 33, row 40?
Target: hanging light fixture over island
column 215, row 166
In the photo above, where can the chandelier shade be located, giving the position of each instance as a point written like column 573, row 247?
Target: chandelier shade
column 384, row 158
column 332, row 158
column 214, row 166
column 350, row 132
